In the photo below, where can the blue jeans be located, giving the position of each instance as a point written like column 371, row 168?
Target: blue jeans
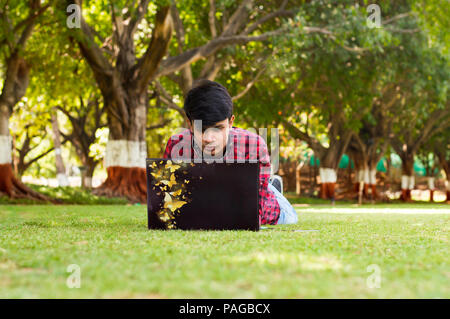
column 288, row 215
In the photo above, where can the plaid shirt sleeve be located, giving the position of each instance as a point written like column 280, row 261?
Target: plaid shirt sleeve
column 174, row 140
column 179, row 146
column 269, row 209
column 168, row 150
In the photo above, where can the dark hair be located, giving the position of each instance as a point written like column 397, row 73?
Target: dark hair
column 208, row 101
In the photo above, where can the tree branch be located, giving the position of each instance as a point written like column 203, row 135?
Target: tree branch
column 249, row 84
column 397, row 17
column 297, row 133
column 211, row 67
column 175, row 63
column 186, row 78
column 35, row 159
column 90, row 50
column 168, row 100
column 333, row 37
column 134, row 21
column 212, row 18
column 430, row 128
column 159, row 125
column 162, row 33
column 238, row 18
column 29, row 22
column 279, row 13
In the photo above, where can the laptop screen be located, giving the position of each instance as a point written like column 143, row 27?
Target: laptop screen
column 203, row 195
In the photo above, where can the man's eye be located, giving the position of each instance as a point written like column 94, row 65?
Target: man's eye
column 214, row 127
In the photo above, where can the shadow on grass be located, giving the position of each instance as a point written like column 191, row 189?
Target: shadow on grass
column 66, row 195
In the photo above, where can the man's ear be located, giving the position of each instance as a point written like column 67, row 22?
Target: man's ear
column 231, row 120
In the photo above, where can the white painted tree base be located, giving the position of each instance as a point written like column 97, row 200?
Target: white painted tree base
column 125, row 153
column 407, row 182
column 87, row 182
column 327, row 175
column 371, row 177
column 367, row 176
column 63, row 180
column 360, row 176
column 5, row 149
column 431, row 183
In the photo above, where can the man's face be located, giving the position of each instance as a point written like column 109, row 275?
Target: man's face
column 213, row 139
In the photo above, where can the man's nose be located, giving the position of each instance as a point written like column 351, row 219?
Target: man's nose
column 208, row 137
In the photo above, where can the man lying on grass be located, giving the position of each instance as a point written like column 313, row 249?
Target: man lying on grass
column 211, row 135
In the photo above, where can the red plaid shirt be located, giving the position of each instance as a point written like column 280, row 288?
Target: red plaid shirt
column 247, row 146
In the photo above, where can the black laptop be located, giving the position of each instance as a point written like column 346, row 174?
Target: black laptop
column 208, row 196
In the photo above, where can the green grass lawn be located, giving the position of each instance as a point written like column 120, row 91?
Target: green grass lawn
column 120, row 258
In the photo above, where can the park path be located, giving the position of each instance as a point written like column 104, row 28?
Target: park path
column 369, row 210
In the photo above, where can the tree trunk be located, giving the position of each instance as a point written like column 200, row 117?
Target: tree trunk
column 297, row 178
column 370, row 180
column 431, row 187
column 349, row 175
column 448, row 189
column 126, row 152
column 446, row 167
column 314, row 174
column 124, row 87
column 444, row 161
column 9, row 184
column 366, row 155
column 375, row 153
column 87, row 172
column 14, row 159
column 83, row 136
column 328, row 173
column 360, row 167
column 61, row 175
column 15, row 84
column 365, row 184
column 407, row 176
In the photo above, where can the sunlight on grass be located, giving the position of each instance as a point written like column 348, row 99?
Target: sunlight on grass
column 373, row 210
column 294, row 260
column 120, row 257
